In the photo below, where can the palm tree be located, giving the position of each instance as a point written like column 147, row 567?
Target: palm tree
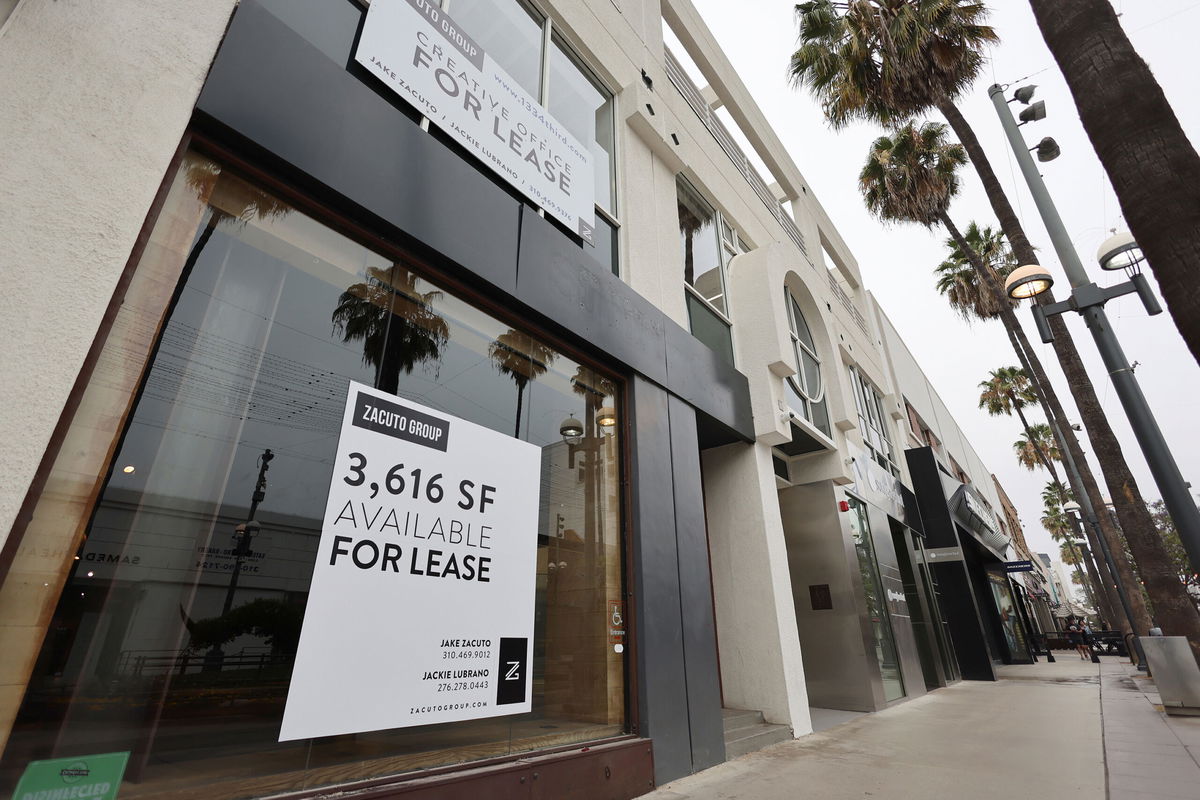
column 956, row 278
column 886, row 59
column 910, row 176
column 1152, row 165
column 522, row 358
column 1006, row 391
column 1036, row 447
column 394, row 320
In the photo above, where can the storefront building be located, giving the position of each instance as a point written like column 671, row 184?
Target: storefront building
column 314, row 240
column 439, row 403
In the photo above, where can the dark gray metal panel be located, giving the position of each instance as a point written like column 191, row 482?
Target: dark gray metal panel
column 710, row 383
column 557, row 278
column 308, row 105
column 661, row 671
column 962, row 615
column 695, row 592
column 695, row 588
column 273, row 87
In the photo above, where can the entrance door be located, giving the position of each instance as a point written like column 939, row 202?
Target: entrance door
column 1010, row 623
column 881, row 623
column 937, row 622
column 922, row 632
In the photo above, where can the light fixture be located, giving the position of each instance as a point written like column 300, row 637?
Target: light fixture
column 571, row 430
column 1121, row 252
column 1025, row 93
column 1047, row 149
column 1027, row 281
column 1035, row 112
column 128, row 469
column 606, row 418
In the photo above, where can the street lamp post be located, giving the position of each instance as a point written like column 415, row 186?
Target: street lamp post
column 1088, row 299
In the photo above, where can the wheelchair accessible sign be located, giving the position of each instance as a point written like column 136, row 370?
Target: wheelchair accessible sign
column 95, row 777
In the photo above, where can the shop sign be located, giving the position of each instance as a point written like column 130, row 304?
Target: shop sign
column 877, row 484
column 419, row 51
column 95, row 777
column 1018, row 566
column 422, row 598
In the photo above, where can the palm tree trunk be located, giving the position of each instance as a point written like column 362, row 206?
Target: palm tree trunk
column 1085, row 481
column 520, row 398
column 1103, row 597
column 1153, row 167
column 1092, row 586
column 1173, row 609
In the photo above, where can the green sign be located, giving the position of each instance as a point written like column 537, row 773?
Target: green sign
column 92, row 777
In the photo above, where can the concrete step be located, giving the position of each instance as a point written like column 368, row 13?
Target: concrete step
column 747, row 731
column 740, row 718
column 756, row 738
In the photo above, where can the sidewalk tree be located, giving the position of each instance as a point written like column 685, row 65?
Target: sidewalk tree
column 1036, row 447
column 886, row 60
column 961, row 286
column 1152, row 166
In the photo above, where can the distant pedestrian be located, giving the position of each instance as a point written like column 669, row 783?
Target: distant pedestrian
column 1075, row 636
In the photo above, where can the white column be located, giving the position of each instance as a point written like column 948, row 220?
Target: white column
column 759, row 648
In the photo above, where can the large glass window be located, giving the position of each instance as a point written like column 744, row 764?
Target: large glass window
column 881, row 623
column 806, row 389
column 514, row 34
column 219, row 392
column 708, row 243
column 872, row 422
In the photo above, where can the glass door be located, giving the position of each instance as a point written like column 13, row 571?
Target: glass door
column 881, row 623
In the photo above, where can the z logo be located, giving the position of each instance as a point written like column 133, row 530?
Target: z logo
column 513, row 668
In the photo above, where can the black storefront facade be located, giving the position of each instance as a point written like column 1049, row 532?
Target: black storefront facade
column 965, row 554
column 289, row 131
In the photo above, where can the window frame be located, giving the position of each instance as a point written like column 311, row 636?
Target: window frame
column 724, row 254
column 320, row 207
column 550, row 38
column 868, row 402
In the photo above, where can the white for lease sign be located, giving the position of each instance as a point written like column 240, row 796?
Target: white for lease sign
column 422, row 598
column 421, row 53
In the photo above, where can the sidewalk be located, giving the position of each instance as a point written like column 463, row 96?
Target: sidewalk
column 1042, row 731
column 1149, row 754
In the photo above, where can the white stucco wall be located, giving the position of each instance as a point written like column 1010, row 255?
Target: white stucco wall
column 761, row 665
column 94, row 99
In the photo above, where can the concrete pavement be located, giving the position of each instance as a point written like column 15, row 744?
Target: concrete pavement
column 1044, row 731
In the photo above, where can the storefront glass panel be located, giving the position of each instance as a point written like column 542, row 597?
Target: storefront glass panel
column 1010, row 622
column 881, row 624
column 122, row 624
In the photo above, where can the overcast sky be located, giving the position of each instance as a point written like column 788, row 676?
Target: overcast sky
column 897, row 262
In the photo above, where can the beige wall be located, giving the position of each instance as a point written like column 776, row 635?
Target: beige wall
column 94, row 99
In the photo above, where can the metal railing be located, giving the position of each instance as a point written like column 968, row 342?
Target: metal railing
column 692, row 95
column 847, row 303
column 694, row 98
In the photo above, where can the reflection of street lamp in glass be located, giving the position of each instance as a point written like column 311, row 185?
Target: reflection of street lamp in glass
column 243, row 538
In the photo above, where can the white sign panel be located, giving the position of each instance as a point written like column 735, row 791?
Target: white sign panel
column 422, row 598
column 420, row 52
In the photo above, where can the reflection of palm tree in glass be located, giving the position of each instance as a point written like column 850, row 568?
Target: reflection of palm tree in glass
column 689, row 226
column 591, row 387
column 522, row 358
column 395, row 322
column 229, row 199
